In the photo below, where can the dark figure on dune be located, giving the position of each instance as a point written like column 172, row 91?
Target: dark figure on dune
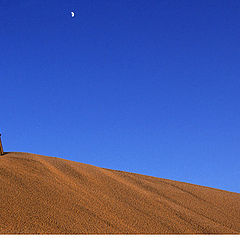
column 1, row 147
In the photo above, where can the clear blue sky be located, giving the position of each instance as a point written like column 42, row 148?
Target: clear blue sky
column 145, row 86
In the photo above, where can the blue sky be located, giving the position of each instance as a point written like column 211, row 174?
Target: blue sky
column 150, row 87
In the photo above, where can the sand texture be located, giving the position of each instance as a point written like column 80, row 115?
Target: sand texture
column 47, row 195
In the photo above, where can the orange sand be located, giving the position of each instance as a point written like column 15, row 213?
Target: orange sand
column 50, row 195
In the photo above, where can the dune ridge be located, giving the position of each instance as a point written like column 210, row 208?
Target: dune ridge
column 48, row 195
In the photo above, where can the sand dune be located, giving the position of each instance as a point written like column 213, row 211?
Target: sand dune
column 50, row 195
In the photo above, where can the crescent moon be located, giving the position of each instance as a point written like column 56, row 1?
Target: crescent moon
column 73, row 14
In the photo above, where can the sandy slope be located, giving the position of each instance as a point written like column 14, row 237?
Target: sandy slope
column 41, row 194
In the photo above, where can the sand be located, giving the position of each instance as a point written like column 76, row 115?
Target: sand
column 47, row 195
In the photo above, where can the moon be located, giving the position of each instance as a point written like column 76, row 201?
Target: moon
column 73, row 14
